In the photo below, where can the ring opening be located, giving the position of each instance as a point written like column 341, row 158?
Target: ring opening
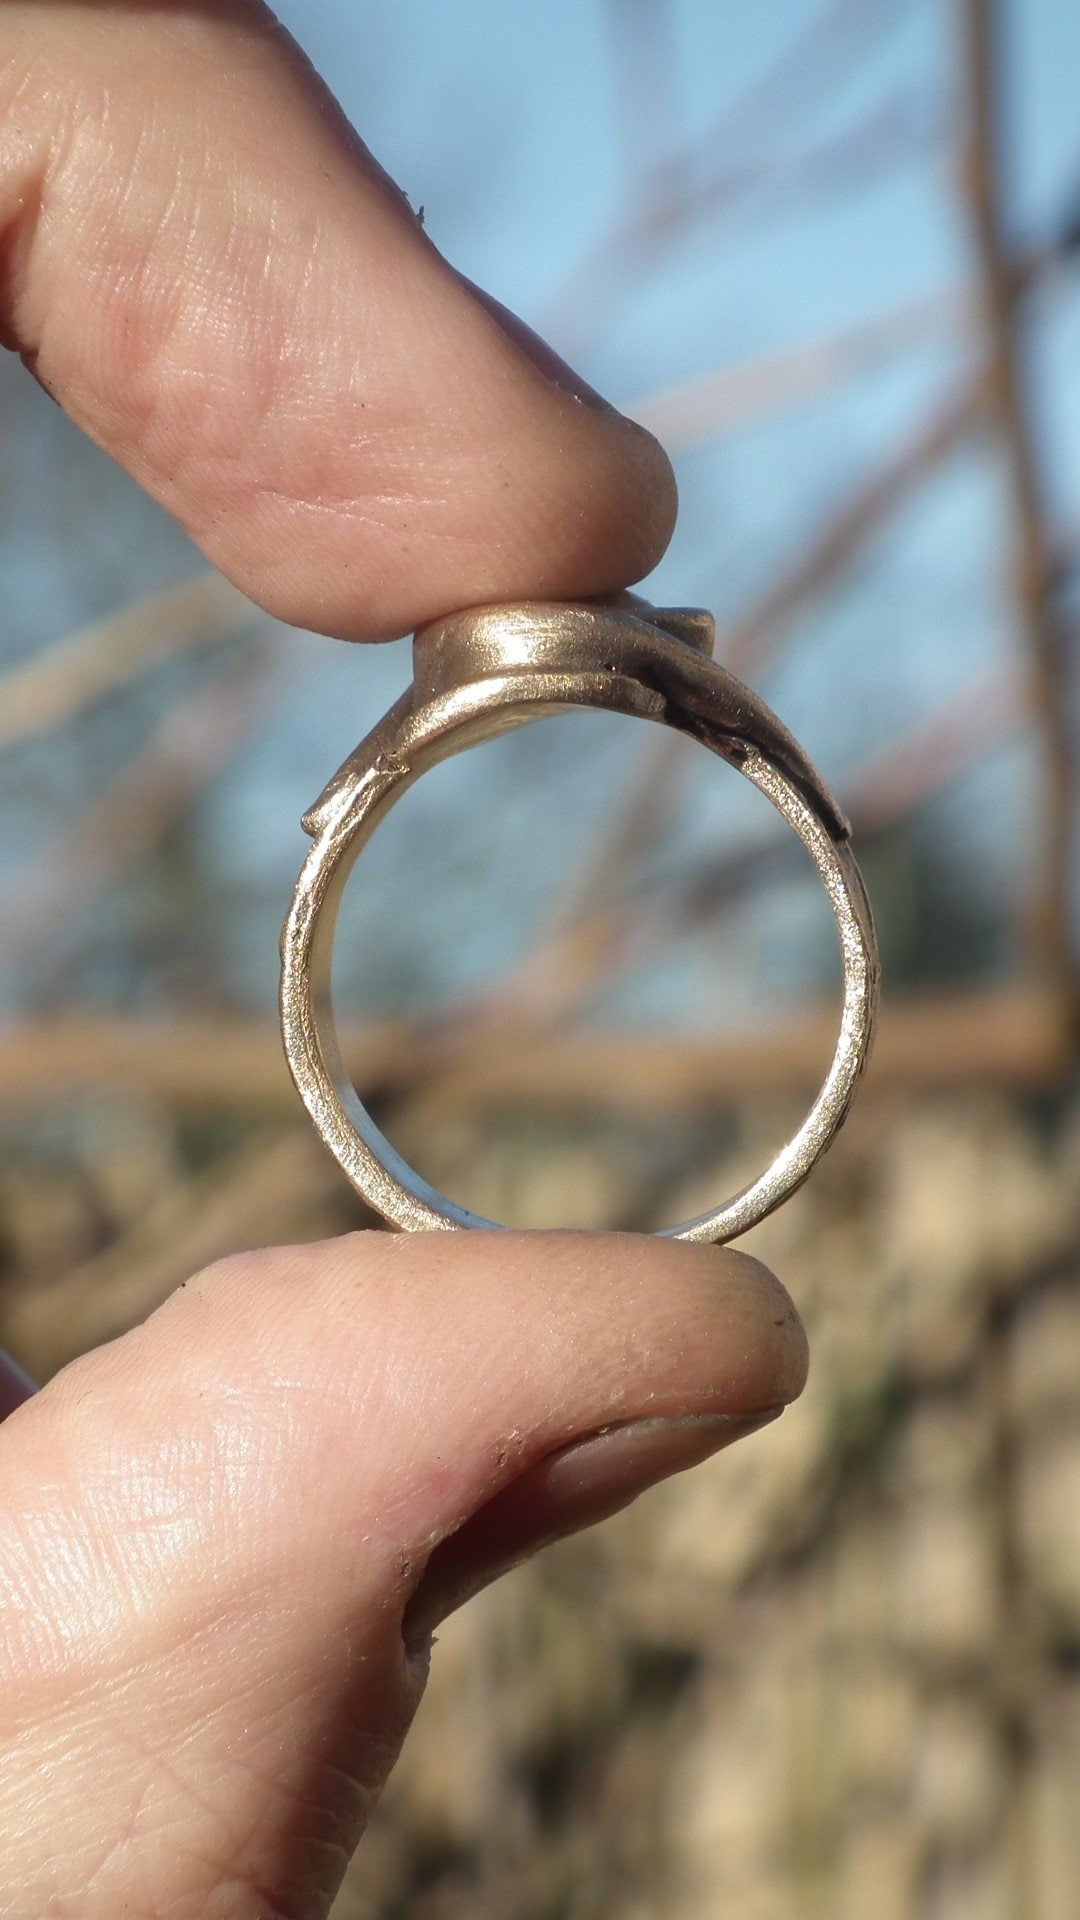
column 464, row 1088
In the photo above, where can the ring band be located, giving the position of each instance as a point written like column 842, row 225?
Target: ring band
column 482, row 673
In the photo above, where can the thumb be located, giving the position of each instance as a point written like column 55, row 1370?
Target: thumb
column 227, row 1535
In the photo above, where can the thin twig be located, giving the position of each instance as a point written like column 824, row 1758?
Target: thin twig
column 843, row 534
column 633, row 824
column 268, row 1191
column 765, row 181
column 699, row 410
column 795, row 85
column 739, row 146
column 598, row 942
column 197, row 738
column 902, row 124
column 711, row 404
column 1033, row 585
column 64, row 679
column 643, row 37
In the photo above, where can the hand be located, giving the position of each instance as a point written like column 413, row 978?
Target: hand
column 225, row 1539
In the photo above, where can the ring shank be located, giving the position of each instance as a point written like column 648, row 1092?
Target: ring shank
column 411, row 740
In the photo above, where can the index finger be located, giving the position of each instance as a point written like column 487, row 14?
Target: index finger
column 211, row 274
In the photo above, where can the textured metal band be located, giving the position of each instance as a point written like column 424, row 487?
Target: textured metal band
column 479, row 674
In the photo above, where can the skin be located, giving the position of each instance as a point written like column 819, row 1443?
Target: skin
column 225, row 1539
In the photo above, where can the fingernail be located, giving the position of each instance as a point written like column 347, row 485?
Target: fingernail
column 582, row 1483
column 536, row 349
column 609, row 1469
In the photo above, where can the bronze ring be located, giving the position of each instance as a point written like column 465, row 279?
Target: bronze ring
column 480, row 673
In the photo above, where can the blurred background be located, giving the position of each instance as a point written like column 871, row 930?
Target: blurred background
column 825, row 248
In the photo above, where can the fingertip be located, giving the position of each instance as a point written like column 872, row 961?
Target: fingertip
column 614, row 1323
column 645, row 485
column 784, row 1346
column 732, row 1313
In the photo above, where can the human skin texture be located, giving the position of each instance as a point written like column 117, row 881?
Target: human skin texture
column 226, row 1538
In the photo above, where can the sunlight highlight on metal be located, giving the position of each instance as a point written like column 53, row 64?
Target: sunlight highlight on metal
column 479, row 674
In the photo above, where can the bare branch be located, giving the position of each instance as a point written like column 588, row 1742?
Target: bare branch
column 231, row 1065
column 743, row 149
column 643, row 37
column 600, row 941
column 699, row 410
column 635, row 822
column 712, row 404
column 272, row 1190
column 1033, row 560
column 844, row 532
column 766, row 181
column 194, row 742
column 62, row 680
